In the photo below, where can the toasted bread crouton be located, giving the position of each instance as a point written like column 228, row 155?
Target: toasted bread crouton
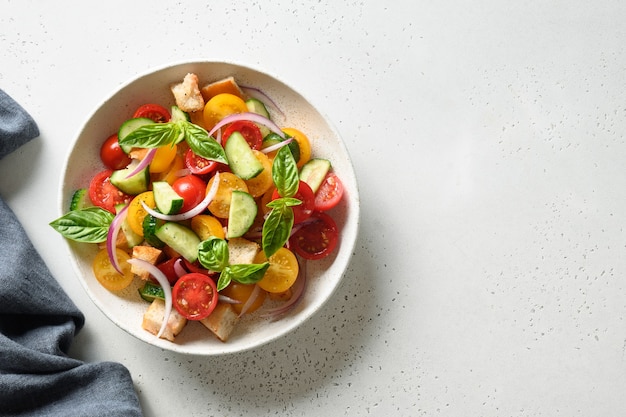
column 148, row 254
column 221, row 321
column 153, row 317
column 138, row 153
column 187, row 94
column 225, row 85
column 242, row 251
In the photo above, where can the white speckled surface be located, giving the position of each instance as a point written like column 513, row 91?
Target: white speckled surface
column 488, row 140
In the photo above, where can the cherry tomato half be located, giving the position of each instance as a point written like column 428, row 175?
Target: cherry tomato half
column 329, row 193
column 199, row 165
column 315, row 239
column 104, row 194
column 152, row 111
column 194, row 296
column 112, row 155
column 192, row 189
column 168, row 269
column 302, row 211
column 250, row 131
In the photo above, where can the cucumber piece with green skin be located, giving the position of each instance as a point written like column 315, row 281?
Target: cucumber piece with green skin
column 257, row 106
column 129, row 126
column 273, row 139
column 150, row 224
column 132, row 238
column 241, row 159
column 180, row 238
column 166, row 199
column 80, row 199
column 314, row 172
column 150, row 292
column 243, row 211
column 134, row 185
column 178, row 114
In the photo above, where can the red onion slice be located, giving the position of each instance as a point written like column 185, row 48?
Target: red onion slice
column 179, row 269
column 296, row 296
column 261, row 95
column 144, row 162
column 277, row 146
column 192, row 212
column 249, row 116
column 225, row 299
column 165, row 284
column 114, row 230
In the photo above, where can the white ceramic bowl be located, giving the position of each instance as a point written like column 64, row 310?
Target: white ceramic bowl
column 126, row 308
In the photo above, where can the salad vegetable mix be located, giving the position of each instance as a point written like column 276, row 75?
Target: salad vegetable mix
column 210, row 204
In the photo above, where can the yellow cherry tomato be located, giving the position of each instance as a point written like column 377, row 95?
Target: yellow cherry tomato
column 220, row 206
column 258, row 185
column 220, row 106
column 163, row 159
column 136, row 211
column 241, row 293
column 106, row 274
column 205, row 226
column 173, row 172
column 266, row 198
column 303, row 143
column 282, row 272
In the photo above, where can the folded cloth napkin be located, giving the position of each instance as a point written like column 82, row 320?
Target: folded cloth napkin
column 38, row 322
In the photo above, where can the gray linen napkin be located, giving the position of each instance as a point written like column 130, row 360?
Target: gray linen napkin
column 38, row 322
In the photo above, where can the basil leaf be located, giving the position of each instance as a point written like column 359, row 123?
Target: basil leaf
column 202, row 144
column 285, row 173
column 248, row 273
column 224, row 279
column 276, row 229
column 279, row 202
column 153, row 135
column 213, row 254
column 90, row 225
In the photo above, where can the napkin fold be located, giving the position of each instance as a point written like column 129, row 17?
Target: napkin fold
column 38, row 322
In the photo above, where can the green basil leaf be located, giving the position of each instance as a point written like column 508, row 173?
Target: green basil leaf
column 213, row 254
column 279, row 202
column 90, row 225
column 285, row 173
column 202, row 144
column 153, row 135
column 248, row 273
column 276, row 229
column 224, row 279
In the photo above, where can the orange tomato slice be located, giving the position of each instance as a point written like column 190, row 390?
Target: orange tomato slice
column 282, row 272
column 258, row 185
column 220, row 206
column 137, row 213
column 303, row 142
column 205, row 226
column 106, row 274
column 220, row 106
column 163, row 159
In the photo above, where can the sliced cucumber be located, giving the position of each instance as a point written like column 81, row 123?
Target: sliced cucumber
column 180, row 238
column 273, row 139
column 257, row 106
column 129, row 126
column 243, row 211
column 150, row 224
column 132, row 238
column 80, row 199
column 134, row 185
column 150, row 291
column 178, row 114
column 166, row 199
column 241, row 158
column 314, row 172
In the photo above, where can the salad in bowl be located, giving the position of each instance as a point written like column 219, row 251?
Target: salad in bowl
column 208, row 208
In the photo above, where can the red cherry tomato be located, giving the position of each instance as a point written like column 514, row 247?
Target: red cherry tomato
column 192, row 189
column 329, row 193
column 302, row 211
column 250, row 131
column 104, row 194
column 317, row 238
column 112, row 155
column 195, row 267
column 155, row 112
column 199, row 165
column 194, row 296
column 167, row 267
